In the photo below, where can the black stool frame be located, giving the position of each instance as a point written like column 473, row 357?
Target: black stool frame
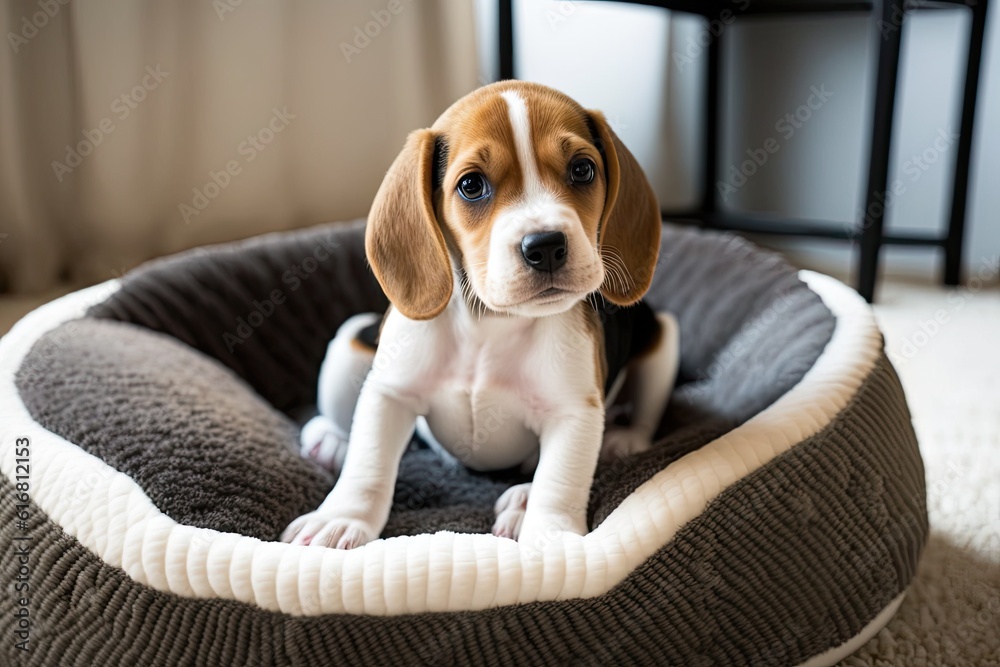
column 868, row 232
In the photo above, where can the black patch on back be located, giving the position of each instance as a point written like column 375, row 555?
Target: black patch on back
column 629, row 331
column 369, row 335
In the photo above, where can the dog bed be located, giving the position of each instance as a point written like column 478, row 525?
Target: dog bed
column 777, row 520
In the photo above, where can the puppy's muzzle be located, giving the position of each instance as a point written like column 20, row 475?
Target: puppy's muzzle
column 544, row 251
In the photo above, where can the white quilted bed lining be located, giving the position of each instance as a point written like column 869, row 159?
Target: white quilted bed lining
column 109, row 513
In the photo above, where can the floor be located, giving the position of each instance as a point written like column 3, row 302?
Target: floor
column 945, row 344
column 13, row 308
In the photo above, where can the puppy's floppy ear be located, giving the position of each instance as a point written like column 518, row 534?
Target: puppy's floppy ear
column 629, row 237
column 403, row 240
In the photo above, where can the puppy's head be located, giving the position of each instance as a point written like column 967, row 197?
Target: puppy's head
column 525, row 197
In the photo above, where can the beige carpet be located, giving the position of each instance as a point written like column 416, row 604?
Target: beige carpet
column 946, row 347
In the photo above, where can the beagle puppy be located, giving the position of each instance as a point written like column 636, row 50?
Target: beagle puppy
column 514, row 239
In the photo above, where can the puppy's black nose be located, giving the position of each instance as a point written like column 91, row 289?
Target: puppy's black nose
column 545, row 251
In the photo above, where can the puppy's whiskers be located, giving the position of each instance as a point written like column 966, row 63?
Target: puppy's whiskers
column 477, row 308
column 617, row 271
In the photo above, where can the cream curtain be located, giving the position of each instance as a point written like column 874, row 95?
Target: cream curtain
column 133, row 129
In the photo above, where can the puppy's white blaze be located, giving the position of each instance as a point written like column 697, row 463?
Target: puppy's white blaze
column 517, row 113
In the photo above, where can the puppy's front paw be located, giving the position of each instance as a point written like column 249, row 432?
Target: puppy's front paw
column 509, row 509
column 329, row 530
column 322, row 442
column 620, row 442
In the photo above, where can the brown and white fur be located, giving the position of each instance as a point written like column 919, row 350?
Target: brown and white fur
column 494, row 360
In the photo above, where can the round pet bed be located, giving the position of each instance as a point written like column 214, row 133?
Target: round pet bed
column 778, row 519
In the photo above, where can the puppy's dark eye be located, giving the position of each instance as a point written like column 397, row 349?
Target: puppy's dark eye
column 473, row 187
column 582, row 171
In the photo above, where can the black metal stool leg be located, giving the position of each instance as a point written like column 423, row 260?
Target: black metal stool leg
column 960, row 187
column 710, row 142
column 889, row 27
column 506, row 38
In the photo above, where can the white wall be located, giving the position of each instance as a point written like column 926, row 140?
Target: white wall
column 644, row 71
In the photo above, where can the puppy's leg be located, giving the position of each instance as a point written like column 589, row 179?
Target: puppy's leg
column 648, row 384
column 509, row 510
column 324, row 438
column 357, row 509
column 560, row 491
